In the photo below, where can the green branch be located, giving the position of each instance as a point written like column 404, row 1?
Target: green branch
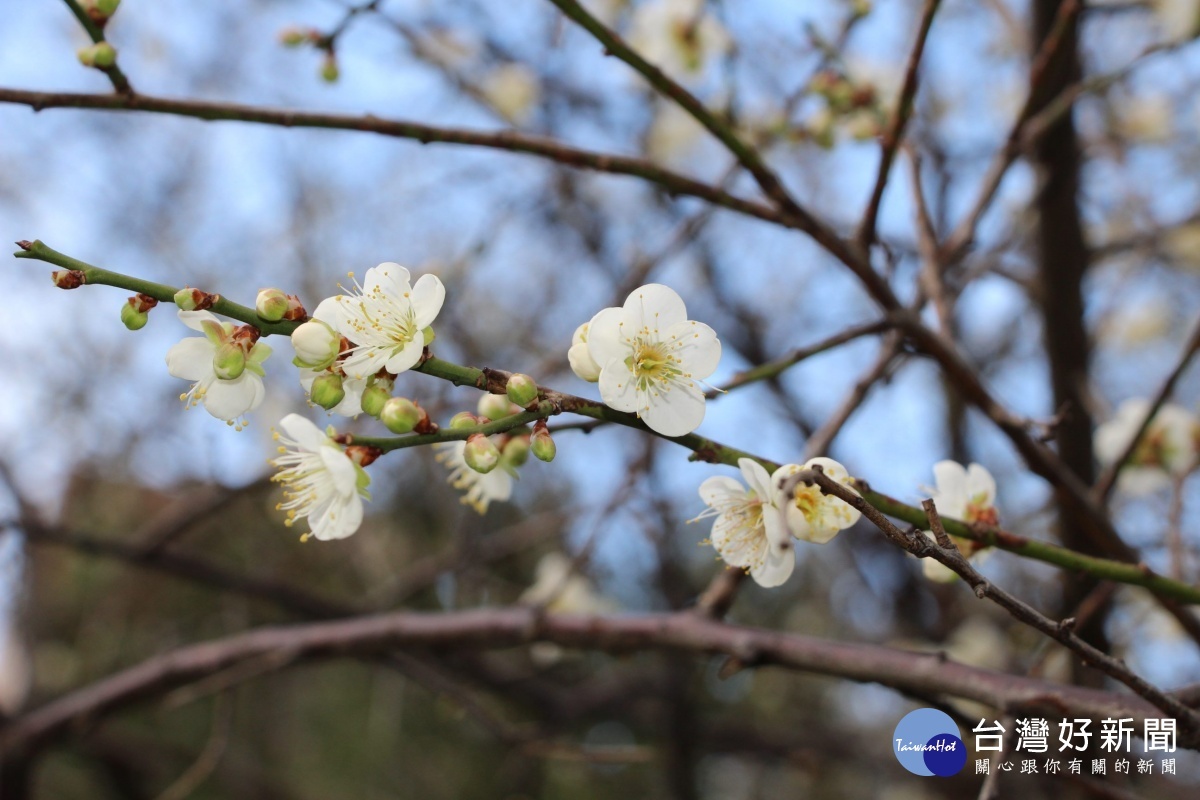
column 703, row 449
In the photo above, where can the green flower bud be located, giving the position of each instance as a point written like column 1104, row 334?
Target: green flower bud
column 294, row 37
column 329, row 69
column 494, row 407
column 229, row 362
column 522, row 389
column 542, row 445
column 271, row 304
column 463, row 419
column 99, row 55
column 374, row 397
column 429, row 335
column 106, row 7
column 400, row 415
column 481, row 454
column 316, row 344
column 516, row 451
column 185, row 298
column 327, row 391
column 134, row 320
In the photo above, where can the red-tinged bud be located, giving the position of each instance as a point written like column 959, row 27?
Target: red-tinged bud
column 142, row 303
column 295, row 310
column 68, row 278
column 362, row 454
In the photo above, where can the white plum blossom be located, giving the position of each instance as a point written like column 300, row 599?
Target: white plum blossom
column 967, row 494
column 749, row 530
column 679, row 37
column 560, row 588
column 321, row 482
column 580, row 357
column 513, row 90
column 651, row 356
column 384, row 319
column 479, row 489
column 1169, row 448
column 810, row 514
column 193, row 359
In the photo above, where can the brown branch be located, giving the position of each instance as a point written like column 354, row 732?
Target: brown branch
column 501, row 628
column 510, row 141
column 920, row 546
column 895, row 132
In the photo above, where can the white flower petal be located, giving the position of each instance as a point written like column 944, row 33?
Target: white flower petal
column 617, row 387
column 757, row 478
column 406, row 359
column 390, row 277
column 775, row 569
column 605, row 339
column 191, row 358
column 654, row 306
column 720, row 491
column 697, row 345
column 229, row 400
column 673, row 413
column 427, row 297
column 981, row 486
column 196, row 319
column 306, row 434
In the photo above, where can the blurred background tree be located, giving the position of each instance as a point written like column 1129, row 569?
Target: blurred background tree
column 1037, row 211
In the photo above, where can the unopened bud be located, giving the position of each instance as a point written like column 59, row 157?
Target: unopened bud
column 463, row 419
column 295, row 310
column 132, row 318
column 363, row 455
column 327, row 391
column 429, row 335
column 68, row 278
column 481, row 454
column 143, row 302
column 580, row 358
column 400, row 415
column 271, row 304
column 541, row 445
column 100, row 55
column 189, row 299
column 329, row 69
column 100, row 10
column 522, row 389
column 229, row 361
column 494, row 407
column 516, row 451
column 374, row 397
column 294, row 37
column 316, row 345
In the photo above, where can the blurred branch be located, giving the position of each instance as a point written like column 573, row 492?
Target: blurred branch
column 1108, row 478
column 746, row 154
column 895, row 132
column 511, row 627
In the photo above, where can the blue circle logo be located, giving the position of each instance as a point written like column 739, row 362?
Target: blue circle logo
column 927, row 742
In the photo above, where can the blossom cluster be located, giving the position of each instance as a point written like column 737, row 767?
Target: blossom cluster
column 755, row 524
column 1167, row 451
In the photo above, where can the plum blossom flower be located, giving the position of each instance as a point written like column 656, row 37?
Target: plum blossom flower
column 385, row 320
column 1168, row 449
column 650, row 356
column 204, row 360
column 580, row 357
column 562, row 589
column 812, row 515
column 678, row 36
column 320, row 481
column 967, row 494
column 479, row 489
column 749, row 530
